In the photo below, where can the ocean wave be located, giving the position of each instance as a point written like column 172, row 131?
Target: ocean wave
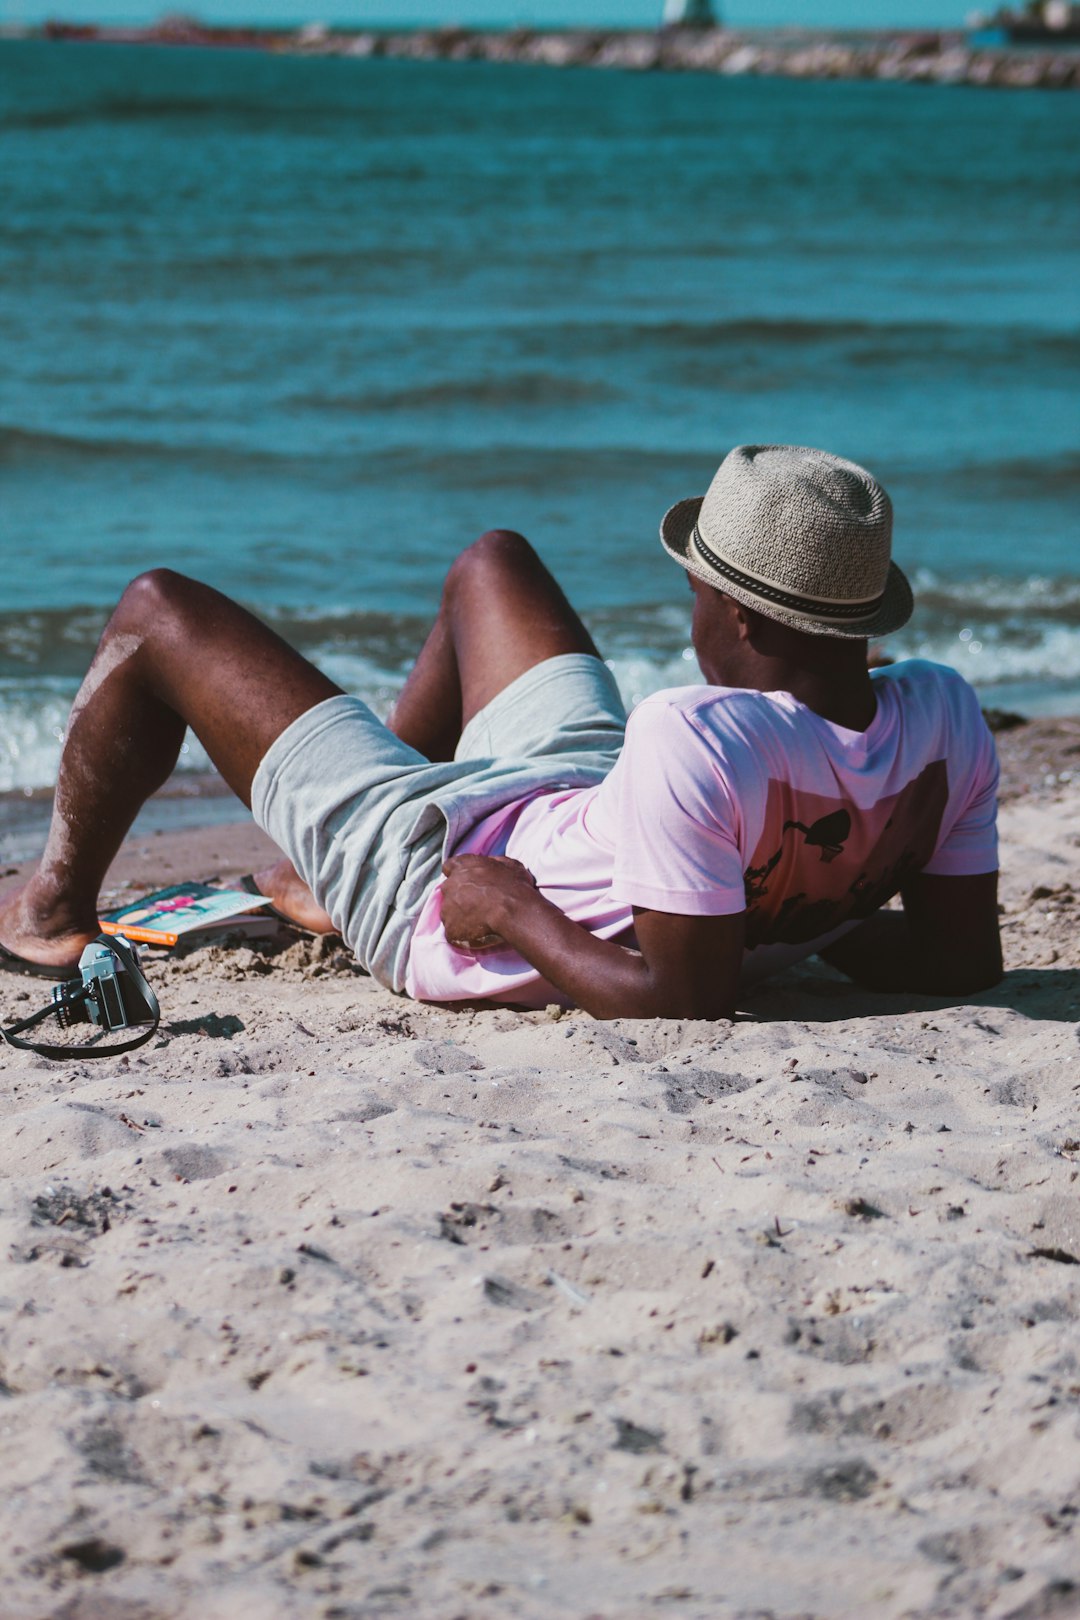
column 789, row 331
column 1020, row 640
column 112, row 110
column 214, row 110
column 373, row 460
column 19, row 446
column 491, row 466
column 505, row 390
column 1016, row 477
column 861, row 343
column 32, row 721
column 996, row 599
column 1015, row 617
column 1051, row 659
column 56, row 645
column 24, row 444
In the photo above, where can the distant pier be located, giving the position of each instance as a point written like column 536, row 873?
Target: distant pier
column 926, row 57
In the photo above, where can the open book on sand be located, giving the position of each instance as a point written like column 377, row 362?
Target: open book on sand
column 163, row 917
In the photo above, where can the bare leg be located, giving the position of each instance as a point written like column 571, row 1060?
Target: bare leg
column 501, row 613
column 175, row 653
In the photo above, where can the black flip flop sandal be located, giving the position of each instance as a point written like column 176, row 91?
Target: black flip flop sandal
column 11, row 963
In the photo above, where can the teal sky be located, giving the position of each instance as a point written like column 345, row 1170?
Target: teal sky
column 604, row 13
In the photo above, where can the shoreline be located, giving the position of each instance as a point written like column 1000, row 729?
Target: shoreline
column 947, row 57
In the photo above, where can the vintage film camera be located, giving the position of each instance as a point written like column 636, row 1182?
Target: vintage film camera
column 111, row 991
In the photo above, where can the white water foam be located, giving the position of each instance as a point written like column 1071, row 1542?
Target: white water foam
column 35, row 714
column 1035, row 669
column 992, row 655
column 32, row 721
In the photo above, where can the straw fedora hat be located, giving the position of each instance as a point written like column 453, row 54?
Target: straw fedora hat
column 801, row 536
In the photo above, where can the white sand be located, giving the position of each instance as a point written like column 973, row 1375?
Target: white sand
column 330, row 1305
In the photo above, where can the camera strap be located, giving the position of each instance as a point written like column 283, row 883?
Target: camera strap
column 48, row 1049
column 75, row 994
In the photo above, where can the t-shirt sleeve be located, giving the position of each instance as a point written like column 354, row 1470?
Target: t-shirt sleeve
column 970, row 845
column 676, row 824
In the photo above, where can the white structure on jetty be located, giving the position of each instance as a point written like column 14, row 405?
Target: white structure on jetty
column 688, row 14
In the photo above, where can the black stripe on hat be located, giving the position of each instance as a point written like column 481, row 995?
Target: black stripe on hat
column 785, row 599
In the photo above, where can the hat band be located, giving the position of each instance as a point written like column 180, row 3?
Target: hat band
column 812, row 606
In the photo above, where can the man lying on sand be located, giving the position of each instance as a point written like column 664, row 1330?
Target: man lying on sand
column 509, row 836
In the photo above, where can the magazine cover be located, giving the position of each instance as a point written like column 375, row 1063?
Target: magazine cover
column 163, row 917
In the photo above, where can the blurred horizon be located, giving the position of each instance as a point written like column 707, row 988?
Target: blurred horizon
column 830, row 14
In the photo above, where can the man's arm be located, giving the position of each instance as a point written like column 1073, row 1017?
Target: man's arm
column 945, row 942
column 685, row 967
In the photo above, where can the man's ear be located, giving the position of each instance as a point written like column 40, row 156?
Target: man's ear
column 746, row 620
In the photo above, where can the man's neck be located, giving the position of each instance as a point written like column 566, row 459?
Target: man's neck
column 849, row 702
column 832, row 680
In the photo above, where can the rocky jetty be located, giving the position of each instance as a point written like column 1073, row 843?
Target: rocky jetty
column 916, row 58
column 924, row 58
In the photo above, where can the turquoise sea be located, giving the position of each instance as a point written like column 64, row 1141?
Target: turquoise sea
column 304, row 327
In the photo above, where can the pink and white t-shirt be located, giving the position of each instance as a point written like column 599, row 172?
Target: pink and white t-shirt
column 723, row 801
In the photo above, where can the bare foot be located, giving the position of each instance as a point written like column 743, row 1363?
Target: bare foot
column 292, row 897
column 38, row 934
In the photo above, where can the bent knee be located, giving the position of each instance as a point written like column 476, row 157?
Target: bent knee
column 497, row 548
column 153, row 596
column 495, row 551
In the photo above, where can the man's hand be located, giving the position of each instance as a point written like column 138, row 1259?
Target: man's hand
column 680, row 967
column 476, row 890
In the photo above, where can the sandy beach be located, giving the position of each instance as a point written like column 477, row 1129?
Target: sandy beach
column 328, row 1304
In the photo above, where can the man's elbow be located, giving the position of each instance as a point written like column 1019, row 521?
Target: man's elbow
column 668, row 1004
column 968, row 978
column 708, row 1006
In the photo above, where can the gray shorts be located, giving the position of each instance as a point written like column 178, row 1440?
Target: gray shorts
column 368, row 822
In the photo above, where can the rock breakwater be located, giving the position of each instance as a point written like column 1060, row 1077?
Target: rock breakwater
column 918, row 59
column 914, row 58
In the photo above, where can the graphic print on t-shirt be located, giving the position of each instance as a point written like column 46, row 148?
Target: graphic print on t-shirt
column 820, row 862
